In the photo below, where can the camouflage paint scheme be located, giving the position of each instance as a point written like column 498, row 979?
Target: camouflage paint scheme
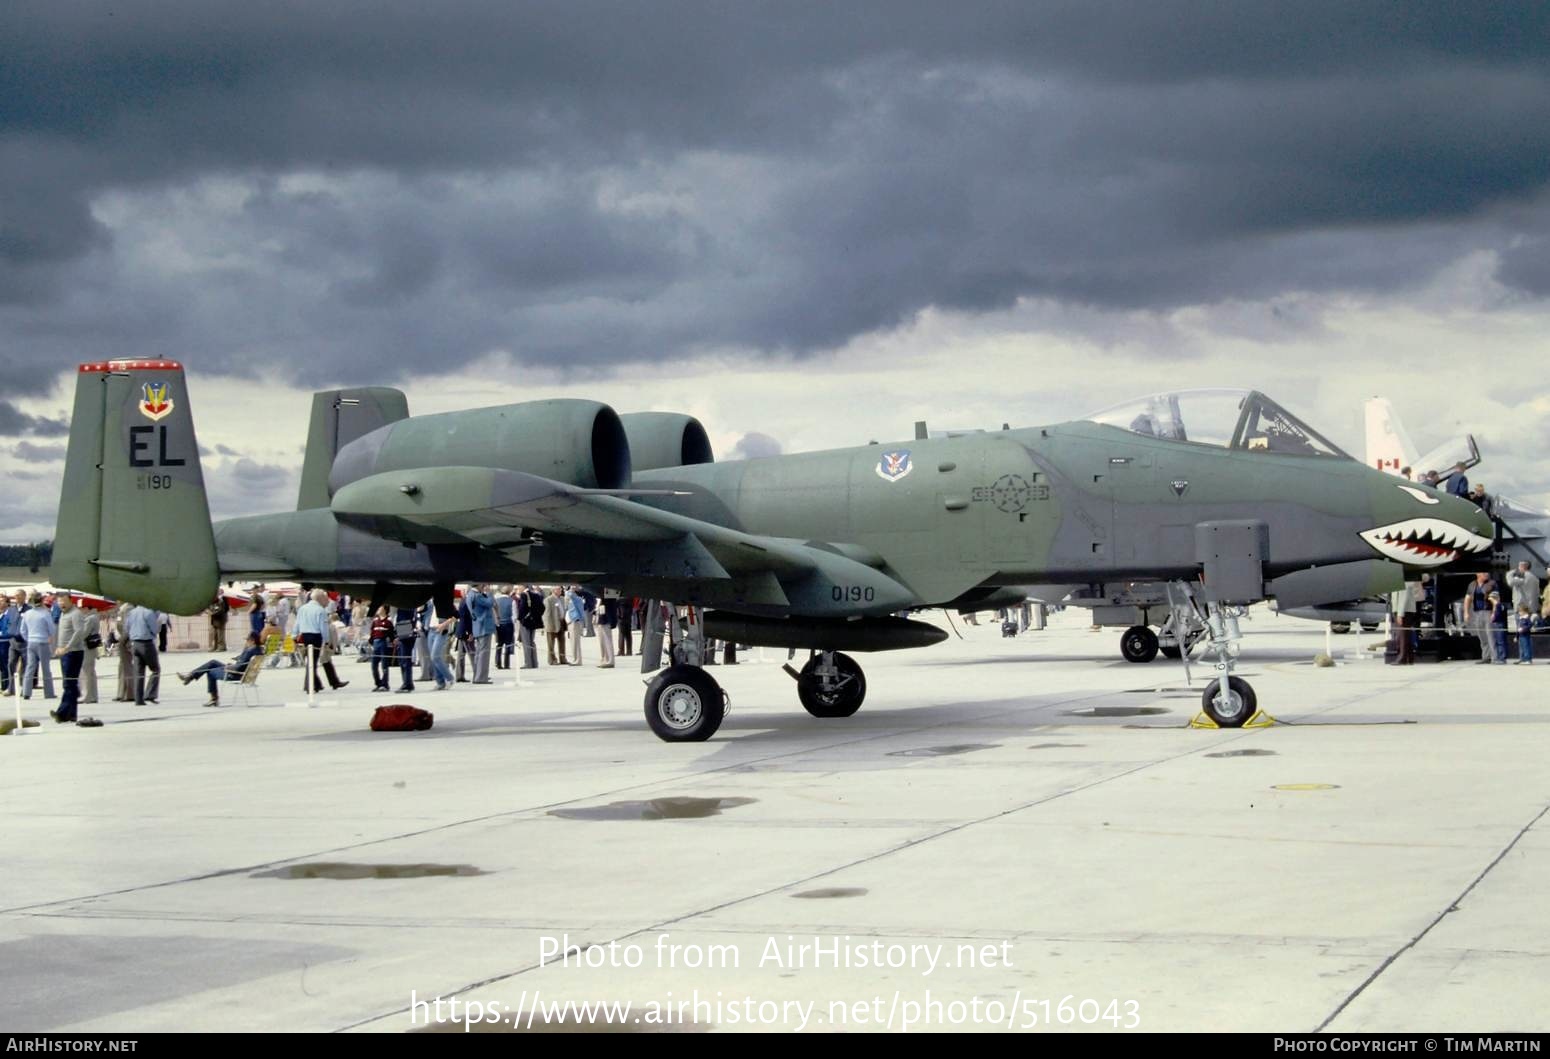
column 548, row 492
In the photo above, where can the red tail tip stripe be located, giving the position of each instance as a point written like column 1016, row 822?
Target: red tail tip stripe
column 101, row 367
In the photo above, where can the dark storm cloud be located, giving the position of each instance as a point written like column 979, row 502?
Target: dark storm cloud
column 30, row 453
column 14, row 421
column 386, row 189
column 239, row 485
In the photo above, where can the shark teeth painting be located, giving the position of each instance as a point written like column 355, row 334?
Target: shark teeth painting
column 1424, row 541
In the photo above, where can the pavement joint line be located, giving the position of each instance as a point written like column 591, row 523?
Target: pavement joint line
column 204, row 876
column 1021, row 708
column 1453, row 906
column 940, row 833
column 38, row 907
column 767, row 891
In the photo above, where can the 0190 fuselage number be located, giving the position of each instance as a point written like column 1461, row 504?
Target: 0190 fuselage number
column 153, row 481
column 853, row 594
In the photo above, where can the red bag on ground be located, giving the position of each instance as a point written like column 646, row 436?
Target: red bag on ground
column 401, row 719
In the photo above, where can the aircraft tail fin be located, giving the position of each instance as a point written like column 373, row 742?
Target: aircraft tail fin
column 134, row 522
column 338, row 418
column 1389, row 447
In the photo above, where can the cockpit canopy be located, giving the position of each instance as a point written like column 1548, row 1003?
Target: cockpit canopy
column 1231, row 419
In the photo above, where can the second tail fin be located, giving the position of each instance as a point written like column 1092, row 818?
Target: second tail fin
column 134, row 522
column 338, row 418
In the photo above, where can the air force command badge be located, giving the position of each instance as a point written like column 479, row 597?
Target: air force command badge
column 894, row 465
column 155, row 404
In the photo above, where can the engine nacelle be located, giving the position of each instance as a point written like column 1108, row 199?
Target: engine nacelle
column 579, row 443
column 665, row 439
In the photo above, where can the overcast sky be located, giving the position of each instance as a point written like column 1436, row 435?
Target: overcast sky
column 809, row 223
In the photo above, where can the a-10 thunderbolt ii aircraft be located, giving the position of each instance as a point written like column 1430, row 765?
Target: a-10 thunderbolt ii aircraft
column 1224, row 497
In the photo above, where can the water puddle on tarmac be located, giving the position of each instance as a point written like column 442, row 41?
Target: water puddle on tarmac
column 831, row 891
column 1057, row 746
column 366, row 871
column 654, row 809
column 944, row 751
column 1117, row 711
column 1243, row 753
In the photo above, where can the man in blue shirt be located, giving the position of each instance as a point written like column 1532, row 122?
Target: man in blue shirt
column 406, row 629
column 37, row 626
column 1456, row 484
column 462, row 645
column 142, row 628
column 215, row 671
column 505, row 627
column 425, row 617
column 575, row 617
column 9, row 619
column 481, row 609
column 438, row 631
column 257, row 616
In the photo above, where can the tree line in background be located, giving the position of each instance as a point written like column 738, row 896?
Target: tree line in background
column 33, row 556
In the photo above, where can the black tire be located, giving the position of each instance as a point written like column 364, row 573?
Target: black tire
column 1371, row 626
column 1340, row 628
column 841, row 700
column 1139, row 644
column 1232, row 714
column 684, row 704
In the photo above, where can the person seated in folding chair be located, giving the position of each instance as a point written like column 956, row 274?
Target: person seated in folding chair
column 215, row 671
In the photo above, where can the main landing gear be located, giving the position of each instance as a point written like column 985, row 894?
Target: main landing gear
column 684, row 704
column 1141, row 644
column 831, row 685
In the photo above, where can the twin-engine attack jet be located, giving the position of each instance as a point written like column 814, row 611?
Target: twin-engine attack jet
column 1222, row 496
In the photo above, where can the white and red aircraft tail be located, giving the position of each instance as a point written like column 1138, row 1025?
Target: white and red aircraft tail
column 1389, row 447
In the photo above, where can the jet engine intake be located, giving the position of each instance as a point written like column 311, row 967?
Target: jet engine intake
column 665, row 439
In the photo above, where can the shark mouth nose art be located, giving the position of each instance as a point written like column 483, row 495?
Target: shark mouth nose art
column 1424, row 541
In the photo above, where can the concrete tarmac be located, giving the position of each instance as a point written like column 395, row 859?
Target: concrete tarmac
column 1024, row 833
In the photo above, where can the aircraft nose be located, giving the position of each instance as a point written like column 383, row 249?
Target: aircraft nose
column 1422, row 527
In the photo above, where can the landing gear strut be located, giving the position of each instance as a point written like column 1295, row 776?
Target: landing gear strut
column 1169, row 645
column 684, row 704
column 831, row 685
column 1228, row 700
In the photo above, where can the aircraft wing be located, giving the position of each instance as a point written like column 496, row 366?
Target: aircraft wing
column 604, row 531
